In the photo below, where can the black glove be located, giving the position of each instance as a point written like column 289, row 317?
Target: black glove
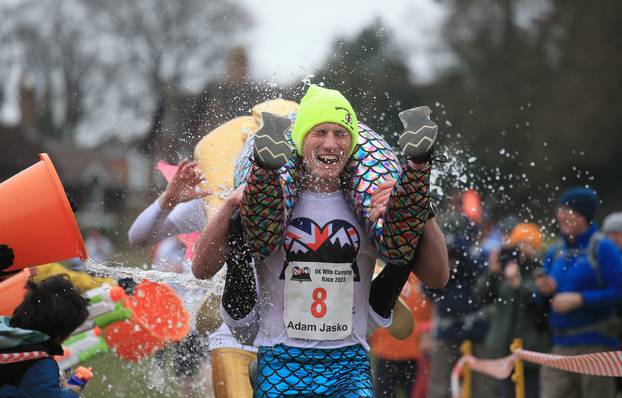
column 128, row 284
column 240, row 293
column 72, row 203
column 6, row 256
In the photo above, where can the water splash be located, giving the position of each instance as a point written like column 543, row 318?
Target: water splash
column 215, row 285
column 153, row 377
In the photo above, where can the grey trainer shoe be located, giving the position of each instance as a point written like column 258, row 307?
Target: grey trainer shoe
column 272, row 150
column 419, row 136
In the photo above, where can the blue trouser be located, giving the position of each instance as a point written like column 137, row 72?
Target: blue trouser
column 311, row 372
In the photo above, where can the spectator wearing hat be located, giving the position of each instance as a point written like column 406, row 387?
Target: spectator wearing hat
column 583, row 283
column 612, row 226
column 509, row 285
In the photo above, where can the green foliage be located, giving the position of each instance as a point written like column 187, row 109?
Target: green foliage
column 548, row 89
column 536, row 93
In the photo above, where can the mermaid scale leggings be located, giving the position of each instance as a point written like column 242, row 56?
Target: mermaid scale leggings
column 263, row 212
column 406, row 214
column 285, row 371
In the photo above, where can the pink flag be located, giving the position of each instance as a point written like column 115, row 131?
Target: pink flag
column 168, row 170
column 189, row 240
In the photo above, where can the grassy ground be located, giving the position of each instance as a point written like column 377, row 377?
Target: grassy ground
column 116, row 378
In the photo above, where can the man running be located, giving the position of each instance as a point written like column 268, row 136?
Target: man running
column 314, row 291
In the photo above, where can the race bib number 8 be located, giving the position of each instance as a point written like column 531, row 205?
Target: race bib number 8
column 318, row 300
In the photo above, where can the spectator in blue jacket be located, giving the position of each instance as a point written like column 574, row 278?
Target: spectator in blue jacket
column 50, row 312
column 583, row 282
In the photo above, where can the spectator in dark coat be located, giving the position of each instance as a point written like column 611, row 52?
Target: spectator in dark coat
column 509, row 285
column 458, row 316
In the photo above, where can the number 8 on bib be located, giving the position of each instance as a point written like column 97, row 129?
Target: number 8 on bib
column 318, row 300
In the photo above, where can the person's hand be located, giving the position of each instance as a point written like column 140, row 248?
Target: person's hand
column 512, row 274
column 235, row 198
column 72, row 387
column 546, row 285
column 566, row 302
column 6, row 256
column 380, row 198
column 183, row 187
column 494, row 264
column 69, row 386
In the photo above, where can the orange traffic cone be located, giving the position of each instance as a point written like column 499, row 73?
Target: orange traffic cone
column 36, row 220
column 12, row 291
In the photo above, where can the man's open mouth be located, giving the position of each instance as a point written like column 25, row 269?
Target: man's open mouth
column 328, row 159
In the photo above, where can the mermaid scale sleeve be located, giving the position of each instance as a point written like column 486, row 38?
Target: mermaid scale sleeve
column 406, row 214
column 397, row 233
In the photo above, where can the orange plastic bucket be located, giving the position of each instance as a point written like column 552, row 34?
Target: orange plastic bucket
column 36, row 220
column 12, row 291
column 158, row 318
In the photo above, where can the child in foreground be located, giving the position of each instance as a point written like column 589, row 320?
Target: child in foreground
column 50, row 312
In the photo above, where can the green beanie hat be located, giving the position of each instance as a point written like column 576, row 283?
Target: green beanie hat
column 322, row 105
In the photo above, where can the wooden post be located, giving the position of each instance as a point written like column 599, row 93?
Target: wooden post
column 518, row 377
column 466, row 348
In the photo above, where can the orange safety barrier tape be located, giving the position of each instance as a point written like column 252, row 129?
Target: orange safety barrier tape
column 597, row 364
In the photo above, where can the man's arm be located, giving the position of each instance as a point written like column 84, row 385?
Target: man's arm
column 432, row 264
column 43, row 380
column 386, row 287
column 151, row 226
column 211, row 248
column 223, row 241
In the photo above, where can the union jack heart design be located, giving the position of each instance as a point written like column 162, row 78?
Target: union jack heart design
column 337, row 241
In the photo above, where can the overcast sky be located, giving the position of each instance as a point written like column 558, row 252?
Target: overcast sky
column 288, row 42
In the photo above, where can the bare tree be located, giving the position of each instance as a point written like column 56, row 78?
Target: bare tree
column 90, row 60
column 172, row 45
column 49, row 43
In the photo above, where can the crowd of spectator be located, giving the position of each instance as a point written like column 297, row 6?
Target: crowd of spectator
column 559, row 296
